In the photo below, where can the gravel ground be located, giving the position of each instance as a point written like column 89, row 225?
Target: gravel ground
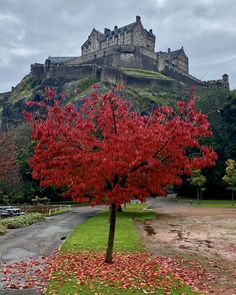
column 205, row 234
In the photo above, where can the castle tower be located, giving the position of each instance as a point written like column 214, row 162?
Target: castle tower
column 225, row 80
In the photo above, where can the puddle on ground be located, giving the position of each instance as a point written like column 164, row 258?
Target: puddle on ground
column 149, row 229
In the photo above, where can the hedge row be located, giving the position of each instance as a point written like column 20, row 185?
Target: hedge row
column 20, row 221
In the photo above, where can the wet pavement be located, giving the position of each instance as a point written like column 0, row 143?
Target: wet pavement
column 40, row 239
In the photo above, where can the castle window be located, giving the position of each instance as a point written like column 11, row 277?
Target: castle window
column 107, row 40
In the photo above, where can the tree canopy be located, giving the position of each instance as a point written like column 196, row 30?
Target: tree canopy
column 107, row 152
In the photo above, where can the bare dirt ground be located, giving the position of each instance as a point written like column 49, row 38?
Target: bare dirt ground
column 196, row 236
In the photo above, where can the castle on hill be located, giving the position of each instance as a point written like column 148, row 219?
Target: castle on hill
column 106, row 55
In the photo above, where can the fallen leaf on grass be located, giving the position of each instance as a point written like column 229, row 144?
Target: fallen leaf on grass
column 129, row 270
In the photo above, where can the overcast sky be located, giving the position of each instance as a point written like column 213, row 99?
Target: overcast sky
column 31, row 30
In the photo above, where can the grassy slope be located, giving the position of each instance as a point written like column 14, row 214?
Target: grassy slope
column 92, row 236
column 29, row 86
column 24, row 90
column 144, row 73
column 142, row 98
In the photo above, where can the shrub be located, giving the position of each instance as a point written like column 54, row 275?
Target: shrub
column 22, row 221
column 3, row 229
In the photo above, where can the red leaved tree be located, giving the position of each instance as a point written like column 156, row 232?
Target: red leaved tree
column 106, row 151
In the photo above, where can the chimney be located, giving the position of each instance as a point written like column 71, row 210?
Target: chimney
column 115, row 28
column 138, row 18
column 106, row 30
column 150, row 31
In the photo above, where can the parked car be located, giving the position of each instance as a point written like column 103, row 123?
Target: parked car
column 10, row 211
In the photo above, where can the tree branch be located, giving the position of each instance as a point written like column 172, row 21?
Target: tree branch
column 109, row 186
column 144, row 163
column 113, row 116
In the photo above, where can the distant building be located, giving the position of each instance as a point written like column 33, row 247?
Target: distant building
column 130, row 46
column 132, row 34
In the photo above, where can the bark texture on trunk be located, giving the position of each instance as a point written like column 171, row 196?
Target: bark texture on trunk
column 111, row 235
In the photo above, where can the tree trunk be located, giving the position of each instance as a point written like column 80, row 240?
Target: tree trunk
column 232, row 198
column 198, row 197
column 111, row 235
column 119, row 209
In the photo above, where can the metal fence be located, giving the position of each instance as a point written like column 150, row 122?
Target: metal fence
column 59, row 209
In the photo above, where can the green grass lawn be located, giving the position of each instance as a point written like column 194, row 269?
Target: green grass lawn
column 144, row 73
column 91, row 237
column 73, row 287
column 208, row 203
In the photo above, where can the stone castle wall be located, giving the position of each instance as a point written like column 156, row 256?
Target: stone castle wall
column 4, row 94
column 118, row 77
column 120, row 56
column 181, row 64
column 72, row 72
column 127, row 56
column 182, row 77
column 102, row 73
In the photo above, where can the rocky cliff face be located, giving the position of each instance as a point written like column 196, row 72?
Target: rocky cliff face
column 32, row 88
column 219, row 104
column 163, row 92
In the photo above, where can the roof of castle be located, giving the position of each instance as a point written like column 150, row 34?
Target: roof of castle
column 110, row 33
column 115, row 32
column 172, row 54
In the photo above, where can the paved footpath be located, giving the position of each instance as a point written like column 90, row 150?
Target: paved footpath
column 40, row 239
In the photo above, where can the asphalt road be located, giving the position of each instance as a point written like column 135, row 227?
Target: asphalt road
column 40, row 239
